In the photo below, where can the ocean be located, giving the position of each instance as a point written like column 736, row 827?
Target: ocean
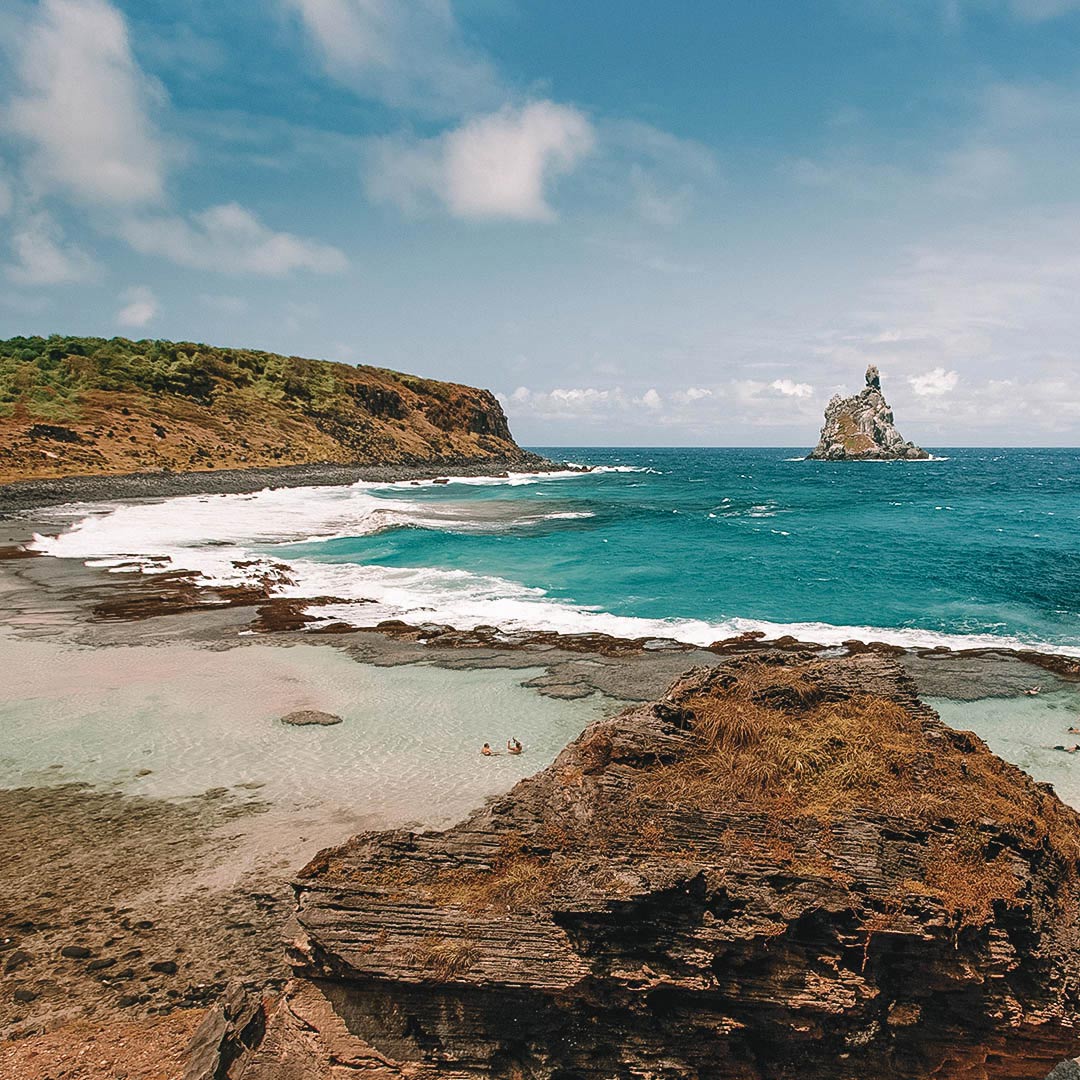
column 976, row 547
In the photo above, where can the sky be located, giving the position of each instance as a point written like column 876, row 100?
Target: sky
column 638, row 223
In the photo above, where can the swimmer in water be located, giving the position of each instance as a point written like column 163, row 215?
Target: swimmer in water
column 486, row 750
column 1068, row 749
column 513, row 746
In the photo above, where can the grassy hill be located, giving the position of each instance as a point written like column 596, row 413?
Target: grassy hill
column 89, row 406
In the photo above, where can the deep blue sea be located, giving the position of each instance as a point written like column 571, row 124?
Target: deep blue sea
column 695, row 543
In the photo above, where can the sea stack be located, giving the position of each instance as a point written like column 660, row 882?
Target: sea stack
column 861, row 428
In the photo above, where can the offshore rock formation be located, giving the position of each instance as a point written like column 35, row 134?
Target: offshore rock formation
column 861, row 428
column 90, row 407
column 787, row 869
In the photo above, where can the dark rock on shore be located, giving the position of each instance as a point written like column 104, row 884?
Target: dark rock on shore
column 1067, row 1070
column 787, row 868
column 306, row 717
column 862, row 428
column 29, row 494
column 230, row 1029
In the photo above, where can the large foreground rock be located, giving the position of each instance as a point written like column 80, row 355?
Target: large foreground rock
column 786, row 869
column 861, row 428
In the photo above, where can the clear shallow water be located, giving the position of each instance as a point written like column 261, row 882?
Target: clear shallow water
column 1025, row 730
column 407, row 751
column 694, row 543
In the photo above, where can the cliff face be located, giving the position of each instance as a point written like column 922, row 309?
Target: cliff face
column 861, row 428
column 787, row 868
column 85, row 406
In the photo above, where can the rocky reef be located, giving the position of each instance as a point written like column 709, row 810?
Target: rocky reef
column 786, row 868
column 862, row 428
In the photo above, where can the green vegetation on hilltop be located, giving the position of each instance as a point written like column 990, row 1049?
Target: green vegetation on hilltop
column 49, row 375
column 75, row 406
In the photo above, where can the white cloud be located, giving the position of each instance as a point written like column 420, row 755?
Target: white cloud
column 654, row 203
column 82, row 110
column 230, row 239
column 574, row 397
column 690, row 394
column 580, row 402
column 140, row 306
column 410, row 54
column 494, row 166
column 665, row 175
column 6, row 198
column 790, row 388
column 934, row 383
column 594, row 403
column 84, row 107
column 43, row 257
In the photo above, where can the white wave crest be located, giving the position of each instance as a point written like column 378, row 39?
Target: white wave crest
column 465, row 600
column 218, row 537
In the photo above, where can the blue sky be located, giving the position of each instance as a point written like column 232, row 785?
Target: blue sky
column 638, row 223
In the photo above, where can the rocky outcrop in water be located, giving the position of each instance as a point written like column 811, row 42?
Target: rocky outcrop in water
column 787, row 868
column 311, row 717
column 862, row 428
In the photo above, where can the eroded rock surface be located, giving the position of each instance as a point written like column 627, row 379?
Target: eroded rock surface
column 310, row 717
column 787, row 868
column 862, row 428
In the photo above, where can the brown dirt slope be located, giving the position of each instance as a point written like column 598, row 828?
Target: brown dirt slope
column 87, row 406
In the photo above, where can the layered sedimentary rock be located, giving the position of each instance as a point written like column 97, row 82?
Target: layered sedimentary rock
column 787, row 868
column 862, row 428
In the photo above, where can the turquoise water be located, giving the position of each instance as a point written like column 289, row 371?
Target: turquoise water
column 984, row 543
column 1025, row 730
column 175, row 720
column 982, row 546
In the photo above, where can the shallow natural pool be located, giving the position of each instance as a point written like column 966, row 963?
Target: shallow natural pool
column 176, row 720
column 1025, row 730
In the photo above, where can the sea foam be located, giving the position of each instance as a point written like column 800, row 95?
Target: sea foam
column 230, row 539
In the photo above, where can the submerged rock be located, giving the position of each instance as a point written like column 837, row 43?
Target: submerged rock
column 305, row 717
column 862, row 428
column 786, row 868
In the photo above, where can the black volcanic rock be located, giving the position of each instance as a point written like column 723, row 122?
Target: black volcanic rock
column 861, row 428
column 787, row 869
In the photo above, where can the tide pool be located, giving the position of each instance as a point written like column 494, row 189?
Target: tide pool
column 1025, row 730
column 177, row 720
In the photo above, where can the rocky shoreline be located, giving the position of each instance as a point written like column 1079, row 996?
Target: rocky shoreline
column 23, row 495
column 96, row 608
column 786, row 867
